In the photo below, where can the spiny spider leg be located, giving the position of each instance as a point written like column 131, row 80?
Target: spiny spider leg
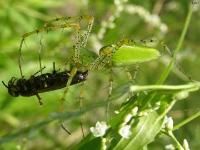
column 109, row 94
column 81, row 41
column 81, row 38
column 172, row 55
column 39, row 30
column 184, row 74
column 62, row 126
column 77, row 46
column 71, row 75
column 40, row 57
column 105, row 58
column 131, row 78
column 80, row 98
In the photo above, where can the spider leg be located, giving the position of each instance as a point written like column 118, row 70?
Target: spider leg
column 99, row 63
column 39, row 56
column 105, row 58
column 81, row 37
column 71, row 76
column 81, row 34
column 109, row 94
column 80, row 99
column 46, row 27
column 181, row 73
column 63, row 127
column 131, row 78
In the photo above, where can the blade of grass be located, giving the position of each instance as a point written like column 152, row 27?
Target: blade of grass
column 65, row 116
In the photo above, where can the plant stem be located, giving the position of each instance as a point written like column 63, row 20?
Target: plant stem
column 192, row 86
column 194, row 116
column 166, row 72
column 179, row 146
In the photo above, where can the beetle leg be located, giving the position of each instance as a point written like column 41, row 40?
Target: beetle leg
column 39, row 99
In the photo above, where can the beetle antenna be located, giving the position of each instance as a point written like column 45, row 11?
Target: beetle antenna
column 4, row 84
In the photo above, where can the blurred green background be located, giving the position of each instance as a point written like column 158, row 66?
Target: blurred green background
column 24, row 123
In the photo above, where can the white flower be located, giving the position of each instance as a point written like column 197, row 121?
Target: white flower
column 134, row 111
column 155, row 20
column 117, row 2
column 116, row 112
column 125, row 132
column 143, row 113
column 163, row 27
column 169, row 123
column 99, row 129
column 170, row 147
column 181, row 95
column 185, row 145
column 128, row 118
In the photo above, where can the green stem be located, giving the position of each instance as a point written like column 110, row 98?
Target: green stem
column 194, row 116
column 192, row 86
column 166, row 72
column 179, row 146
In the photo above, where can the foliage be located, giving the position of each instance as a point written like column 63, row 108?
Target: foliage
column 160, row 89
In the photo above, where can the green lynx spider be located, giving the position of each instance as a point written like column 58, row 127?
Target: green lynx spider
column 105, row 53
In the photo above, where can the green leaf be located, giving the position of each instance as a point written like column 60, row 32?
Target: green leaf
column 144, row 128
column 143, row 133
column 90, row 143
column 128, row 55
